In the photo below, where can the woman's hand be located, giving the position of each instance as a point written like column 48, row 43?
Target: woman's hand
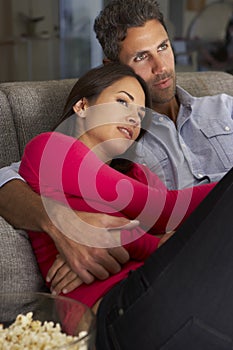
column 63, row 279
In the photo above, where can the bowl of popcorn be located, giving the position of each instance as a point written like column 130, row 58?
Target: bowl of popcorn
column 41, row 321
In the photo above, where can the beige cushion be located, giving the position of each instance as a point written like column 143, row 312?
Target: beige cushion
column 206, row 83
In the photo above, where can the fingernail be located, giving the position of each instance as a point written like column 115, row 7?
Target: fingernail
column 64, row 291
column 48, row 279
column 54, row 292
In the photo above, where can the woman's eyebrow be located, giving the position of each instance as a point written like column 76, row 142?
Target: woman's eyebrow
column 130, row 96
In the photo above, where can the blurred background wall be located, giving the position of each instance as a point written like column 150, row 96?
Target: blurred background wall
column 54, row 39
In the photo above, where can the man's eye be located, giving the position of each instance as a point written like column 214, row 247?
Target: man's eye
column 140, row 57
column 163, row 47
column 123, row 102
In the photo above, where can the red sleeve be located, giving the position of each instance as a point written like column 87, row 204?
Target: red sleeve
column 79, row 172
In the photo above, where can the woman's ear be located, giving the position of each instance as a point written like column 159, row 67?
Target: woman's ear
column 106, row 61
column 80, row 107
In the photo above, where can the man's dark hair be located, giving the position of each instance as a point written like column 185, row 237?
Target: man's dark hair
column 119, row 15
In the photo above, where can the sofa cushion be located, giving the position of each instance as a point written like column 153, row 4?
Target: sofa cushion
column 206, row 83
column 19, row 271
column 35, row 106
column 8, row 140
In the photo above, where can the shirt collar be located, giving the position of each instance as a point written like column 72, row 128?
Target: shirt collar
column 184, row 97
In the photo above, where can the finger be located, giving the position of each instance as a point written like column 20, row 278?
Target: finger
column 67, row 284
column 104, row 263
column 85, row 275
column 62, row 273
column 72, row 285
column 120, row 254
column 54, row 268
column 96, row 271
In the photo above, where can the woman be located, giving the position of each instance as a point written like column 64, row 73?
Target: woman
column 109, row 103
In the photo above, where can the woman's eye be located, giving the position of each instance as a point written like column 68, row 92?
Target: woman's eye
column 123, row 102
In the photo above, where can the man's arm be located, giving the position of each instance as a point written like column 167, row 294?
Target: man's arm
column 24, row 209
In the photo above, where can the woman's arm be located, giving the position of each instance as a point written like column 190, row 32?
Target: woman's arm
column 23, row 208
column 79, row 172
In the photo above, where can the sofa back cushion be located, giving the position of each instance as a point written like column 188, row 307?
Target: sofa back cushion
column 206, row 83
column 35, row 106
column 8, row 140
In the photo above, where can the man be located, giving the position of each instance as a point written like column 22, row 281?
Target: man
column 185, row 131
column 177, row 147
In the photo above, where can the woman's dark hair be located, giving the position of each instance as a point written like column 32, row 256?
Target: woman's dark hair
column 90, row 86
column 117, row 17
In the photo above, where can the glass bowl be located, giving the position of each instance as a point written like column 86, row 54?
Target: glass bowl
column 75, row 318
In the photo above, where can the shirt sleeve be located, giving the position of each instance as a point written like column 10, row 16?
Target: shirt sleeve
column 9, row 173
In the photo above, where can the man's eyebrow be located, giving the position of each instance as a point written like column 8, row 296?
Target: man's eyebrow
column 140, row 53
column 164, row 41
column 130, row 96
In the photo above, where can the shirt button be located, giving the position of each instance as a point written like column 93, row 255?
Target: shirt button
column 227, row 128
column 160, row 119
column 121, row 312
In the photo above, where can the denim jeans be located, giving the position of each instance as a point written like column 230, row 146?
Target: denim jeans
column 182, row 297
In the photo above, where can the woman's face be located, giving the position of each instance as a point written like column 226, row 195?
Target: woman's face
column 113, row 121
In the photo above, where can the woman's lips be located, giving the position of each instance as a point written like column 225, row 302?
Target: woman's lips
column 126, row 131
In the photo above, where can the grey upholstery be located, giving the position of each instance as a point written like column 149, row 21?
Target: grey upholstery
column 35, row 107
column 8, row 140
column 18, row 268
column 29, row 108
column 206, row 83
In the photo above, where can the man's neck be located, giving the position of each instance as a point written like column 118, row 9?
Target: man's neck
column 170, row 109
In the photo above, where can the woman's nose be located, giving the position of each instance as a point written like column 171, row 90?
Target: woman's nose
column 133, row 119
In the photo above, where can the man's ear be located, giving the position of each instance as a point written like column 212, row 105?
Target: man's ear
column 80, row 107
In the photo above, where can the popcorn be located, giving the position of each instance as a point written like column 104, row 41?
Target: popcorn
column 28, row 334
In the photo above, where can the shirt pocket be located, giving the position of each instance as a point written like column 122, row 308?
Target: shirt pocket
column 219, row 134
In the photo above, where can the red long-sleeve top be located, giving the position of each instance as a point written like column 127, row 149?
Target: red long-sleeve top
column 63, row 168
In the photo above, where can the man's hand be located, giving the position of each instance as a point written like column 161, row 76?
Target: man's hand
column 24, row 209
column 88, row 262
column 88, row 242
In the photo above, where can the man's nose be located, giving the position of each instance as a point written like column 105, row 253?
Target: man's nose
column 157, row 64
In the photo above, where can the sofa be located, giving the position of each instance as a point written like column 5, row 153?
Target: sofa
column 29, row 108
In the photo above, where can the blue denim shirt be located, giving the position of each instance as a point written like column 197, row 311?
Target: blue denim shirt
column 198, row 149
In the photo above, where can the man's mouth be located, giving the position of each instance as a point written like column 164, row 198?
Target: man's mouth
column 163, row 84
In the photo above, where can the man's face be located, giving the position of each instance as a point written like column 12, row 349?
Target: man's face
column 148, row 51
